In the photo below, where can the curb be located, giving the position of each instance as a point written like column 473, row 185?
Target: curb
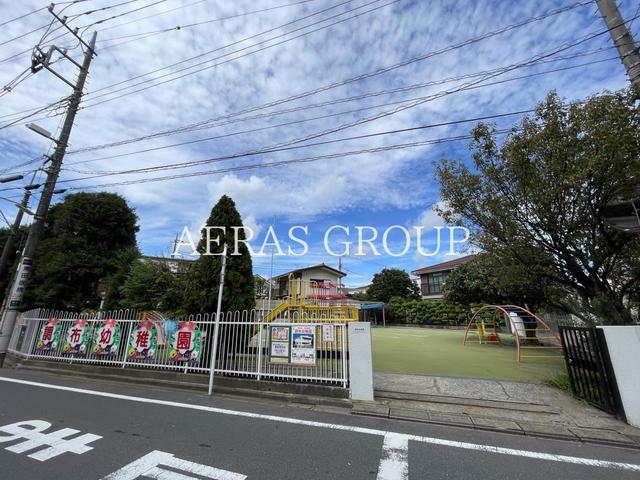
column 225, row 385
column 378, row 411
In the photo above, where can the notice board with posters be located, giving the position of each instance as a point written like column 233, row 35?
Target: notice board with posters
column 279, row 343
column 293, row 344
column 303, row 345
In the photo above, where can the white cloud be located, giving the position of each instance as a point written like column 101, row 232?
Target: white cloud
column 396, row 180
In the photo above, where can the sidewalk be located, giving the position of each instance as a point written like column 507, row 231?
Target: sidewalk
column 515, row 407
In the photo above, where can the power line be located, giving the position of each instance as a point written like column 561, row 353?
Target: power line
column 203, row 22
column 17, row 80
column 74, row 17
column 374, row 73
column 323, row 104
column 281, row 149
column 56, row 104
column 359, row 121
column 22, row 16
column 113, row 17
column 275, row 163
column 135, row 20
column 236, row 51
column 361, row 77
column 313, row 118
column 290, row 145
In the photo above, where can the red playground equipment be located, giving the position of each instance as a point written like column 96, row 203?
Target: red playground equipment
column 529, row 331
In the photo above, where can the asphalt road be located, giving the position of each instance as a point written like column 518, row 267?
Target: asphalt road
column 123, row 431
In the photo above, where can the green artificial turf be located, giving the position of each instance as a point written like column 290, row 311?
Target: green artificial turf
column 432, row 351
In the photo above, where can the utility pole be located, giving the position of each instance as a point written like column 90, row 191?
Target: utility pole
column 21, row 279
column 10, row 244
column 623, row 40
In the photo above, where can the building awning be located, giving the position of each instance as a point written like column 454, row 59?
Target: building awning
column 371, row 306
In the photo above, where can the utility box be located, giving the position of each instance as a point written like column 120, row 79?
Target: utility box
column 360, row 363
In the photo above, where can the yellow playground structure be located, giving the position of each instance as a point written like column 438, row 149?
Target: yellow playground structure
column 309, row 301
column 529, row 331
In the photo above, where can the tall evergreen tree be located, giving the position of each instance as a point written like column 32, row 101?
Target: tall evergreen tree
column 203, row 279
column 83, row 238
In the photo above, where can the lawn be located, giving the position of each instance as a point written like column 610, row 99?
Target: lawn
column 440, row 352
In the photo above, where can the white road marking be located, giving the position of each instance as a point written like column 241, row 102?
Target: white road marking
column 56, row 442
column 347, row 428
column 149, row 466
column 394, row 462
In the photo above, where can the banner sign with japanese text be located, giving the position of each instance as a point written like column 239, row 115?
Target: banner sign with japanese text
column 328, row 333
column 303, row 345
column 77, row 341
column 49, row 336
column 279, row 339
column 107, row 338
column 186, row 343
column 142, row 341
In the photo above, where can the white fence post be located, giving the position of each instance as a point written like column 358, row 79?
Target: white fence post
column 360, row 363
column 259, row 352
column 623, row 345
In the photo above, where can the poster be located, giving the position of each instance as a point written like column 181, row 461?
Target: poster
column 328, row 333
column 279, row 338
column 186, row 343
column 77, row 340
column 49, row 336
column 142, row 341
column 107, row 338
column 303, row 345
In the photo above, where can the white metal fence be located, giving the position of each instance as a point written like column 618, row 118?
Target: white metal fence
column 131, row 339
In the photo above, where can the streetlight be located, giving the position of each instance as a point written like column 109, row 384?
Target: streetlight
column 11, row 179
column 41, row 131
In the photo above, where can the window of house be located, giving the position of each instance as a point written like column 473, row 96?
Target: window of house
column 435, row 282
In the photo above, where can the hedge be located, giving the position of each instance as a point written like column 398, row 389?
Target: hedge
column 427, row 312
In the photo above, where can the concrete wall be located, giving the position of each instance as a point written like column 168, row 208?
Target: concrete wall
column 623, row 343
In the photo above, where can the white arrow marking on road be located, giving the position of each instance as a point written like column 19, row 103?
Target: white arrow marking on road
column 394, row 463
column 148, row 466
column 55, row 441
column 347, row 428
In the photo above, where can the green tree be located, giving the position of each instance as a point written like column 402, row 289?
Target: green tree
column 261, row 286
column 497, row 280
column 203, row 279
column 392, row 282
column 151, row 286
column 82, row 239
column 124, row 261
column 534, row 199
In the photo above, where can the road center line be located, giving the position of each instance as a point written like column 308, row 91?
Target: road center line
column 347, row 428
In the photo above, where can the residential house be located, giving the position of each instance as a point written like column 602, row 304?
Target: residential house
column 317, row 274
column 178, row 266
column 432, row 278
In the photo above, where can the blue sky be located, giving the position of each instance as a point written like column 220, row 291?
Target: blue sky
column 384, row 188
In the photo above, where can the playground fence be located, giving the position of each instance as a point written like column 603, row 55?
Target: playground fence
column 148, row 340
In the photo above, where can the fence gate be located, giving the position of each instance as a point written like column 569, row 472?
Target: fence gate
column 589, row 368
